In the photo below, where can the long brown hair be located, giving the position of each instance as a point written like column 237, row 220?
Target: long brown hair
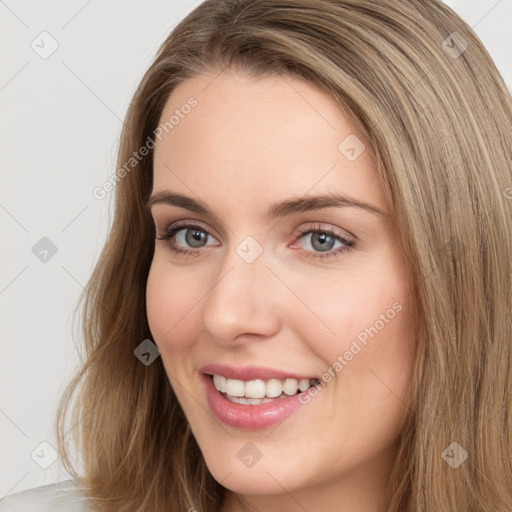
column 423, row 90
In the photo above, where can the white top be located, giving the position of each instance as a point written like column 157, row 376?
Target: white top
column 60, row 497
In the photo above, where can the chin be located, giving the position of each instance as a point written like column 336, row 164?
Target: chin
column 266, row 475
column 265, row 480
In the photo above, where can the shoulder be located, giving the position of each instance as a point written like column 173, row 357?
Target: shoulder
column 60, row 497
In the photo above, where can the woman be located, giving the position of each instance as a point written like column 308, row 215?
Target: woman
column 304, row 300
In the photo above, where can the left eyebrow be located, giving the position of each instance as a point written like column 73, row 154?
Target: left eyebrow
column 311, row 203
column 276, row 210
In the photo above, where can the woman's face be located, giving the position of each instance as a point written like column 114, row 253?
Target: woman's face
column 292, row 273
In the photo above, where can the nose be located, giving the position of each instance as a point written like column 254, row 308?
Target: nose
column 243, row 302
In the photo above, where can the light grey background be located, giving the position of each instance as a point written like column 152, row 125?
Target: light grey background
column 59, row 132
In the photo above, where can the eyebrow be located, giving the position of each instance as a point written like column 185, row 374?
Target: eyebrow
column 276, row 210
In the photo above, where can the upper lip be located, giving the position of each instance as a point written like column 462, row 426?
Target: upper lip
column 250, row 372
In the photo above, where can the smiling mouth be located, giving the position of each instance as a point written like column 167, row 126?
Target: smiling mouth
column 259, row 391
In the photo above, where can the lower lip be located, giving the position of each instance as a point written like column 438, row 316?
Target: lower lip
column 249, row 416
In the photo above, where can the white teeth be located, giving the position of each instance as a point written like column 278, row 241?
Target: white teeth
column 255, row 389
column 274, row 388
column 249, row 401
column 303, row 384
column 235, row 387
column 254, row 392
column 220, row 382
column 290, row 386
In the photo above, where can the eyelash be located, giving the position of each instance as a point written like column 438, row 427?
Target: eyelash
column 171, row 231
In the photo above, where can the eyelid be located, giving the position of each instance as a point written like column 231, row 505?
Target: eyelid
column 328, row 228
column 348, row 241
column 189, row 223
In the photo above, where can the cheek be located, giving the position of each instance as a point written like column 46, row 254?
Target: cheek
column 369, row 344
column 377, row 364
column 170, row 297
column 357, row 307
column 369, row 362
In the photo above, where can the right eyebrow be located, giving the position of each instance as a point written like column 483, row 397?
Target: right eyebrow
column 173, row 199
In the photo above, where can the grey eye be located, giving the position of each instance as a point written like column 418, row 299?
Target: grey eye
column 193, row 237
column 321, row 242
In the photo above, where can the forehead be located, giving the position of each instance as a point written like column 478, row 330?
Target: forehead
column 254, row 139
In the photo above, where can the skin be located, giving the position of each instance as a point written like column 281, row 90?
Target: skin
column 249, row 142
